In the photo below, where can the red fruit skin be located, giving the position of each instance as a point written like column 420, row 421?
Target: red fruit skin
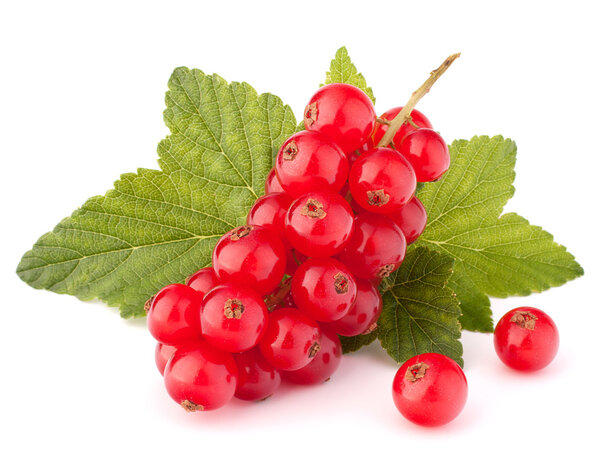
column 269, row 212
column 382, row 170
column 233, row 318
column 428, row 154
column 251, row 256
column 203, row 280
column 173, row 315
column 324, row 289
column 202, row 375
column 376, row 248
column 323, row 365
column 342, row 112
column 434, row 399
column 411, row 218
column 417, row 117
column 524, row 343
column 292, row 339
column 310, row 161
column 162, row 353
column 315, row 236
column 363, row 314
column 272, row 183
column 257, row 379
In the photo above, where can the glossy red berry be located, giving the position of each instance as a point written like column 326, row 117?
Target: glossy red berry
column 173, row 314
column 233, row 317
column 362, row 317
column 526, row 339
column 324, row 289
column 417, row 118
column 319, row 224
column 430, row 389
column 342, row 112
column 427, row 152
column 323, row 365
column 162, row 353
column 376, row 248
column 269, row 212
column 200, row 377
column 411, row 218
column 292, row 339
column 272, row 183
column 310, row 161
column 382, row 180
column 203, row 280
column 252, row 256
column 257, row 379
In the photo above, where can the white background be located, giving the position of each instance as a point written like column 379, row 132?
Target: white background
column 82, row 89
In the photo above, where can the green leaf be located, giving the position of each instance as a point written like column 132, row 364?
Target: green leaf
column 420, row 312
column 495, row 255
column 342, row 70
column 475, row 306
column 157, row 227
column 353, row 343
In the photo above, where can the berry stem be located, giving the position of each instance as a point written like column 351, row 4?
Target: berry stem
column 277, row 298
column 403, row 115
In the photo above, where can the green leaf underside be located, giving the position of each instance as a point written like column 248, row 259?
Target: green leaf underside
column 354, row 343
column 495, row 255
column 342, row 70
column 158, row 227
column 420, row 312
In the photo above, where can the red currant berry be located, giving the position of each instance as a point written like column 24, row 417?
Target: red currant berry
column 310, row 161
column 382, row 180
column 257, row 379
column 324, row 289
column 526, row 339
column 319, row 224
column 272, row 183
column 427, row 152
column 269, row 212
column 417, row 118
column 162, row 353
column 376, row 248
column 362, row 317
column 233, row 317
column 292, row 339
column 411, row 218
column 203, row 280
column 430, row 389
column 200, row 377
column 323, row 365
column 342, row 112
column 250, row 256
column 173, row 314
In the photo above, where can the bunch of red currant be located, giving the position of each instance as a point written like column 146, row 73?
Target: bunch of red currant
column 336, row 218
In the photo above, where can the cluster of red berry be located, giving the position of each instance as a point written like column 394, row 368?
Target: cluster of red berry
column 336, row 219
